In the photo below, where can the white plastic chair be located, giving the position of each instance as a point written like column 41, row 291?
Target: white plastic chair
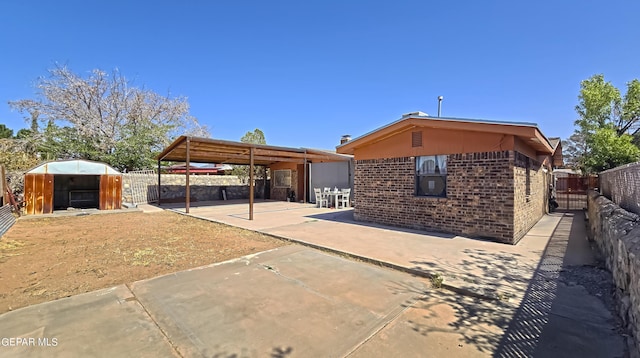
column 321, row 198
column 344, row 198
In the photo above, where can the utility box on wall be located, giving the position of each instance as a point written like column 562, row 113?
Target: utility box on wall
column 67, row 184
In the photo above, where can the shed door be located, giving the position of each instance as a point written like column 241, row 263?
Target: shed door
column 38, row 190
column 110, row 192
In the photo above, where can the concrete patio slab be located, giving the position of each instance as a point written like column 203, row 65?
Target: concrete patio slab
column 478, row 267
column 292, row 300
column 104, row 323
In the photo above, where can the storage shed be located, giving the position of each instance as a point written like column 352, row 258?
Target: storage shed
column 67, row 184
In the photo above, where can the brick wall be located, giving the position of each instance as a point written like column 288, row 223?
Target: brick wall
column 529, row 204
column 479, row 200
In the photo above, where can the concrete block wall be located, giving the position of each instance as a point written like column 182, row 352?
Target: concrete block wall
column 616, row 233
column 479, row 202
column 202, row 187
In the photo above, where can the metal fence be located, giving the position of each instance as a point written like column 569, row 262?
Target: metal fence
column 622, row 186
column 143, row 186
column 571, row 191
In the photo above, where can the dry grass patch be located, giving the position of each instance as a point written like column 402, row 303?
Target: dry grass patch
column 49, row 258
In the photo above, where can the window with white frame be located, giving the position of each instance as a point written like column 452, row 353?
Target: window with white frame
column 431, row 176
column 282, row 178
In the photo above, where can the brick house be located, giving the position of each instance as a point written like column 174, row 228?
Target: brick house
column 474, row 178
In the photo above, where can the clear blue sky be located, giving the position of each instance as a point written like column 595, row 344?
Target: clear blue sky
column 307, row 72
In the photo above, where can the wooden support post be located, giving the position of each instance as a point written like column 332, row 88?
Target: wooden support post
column 188, row 198
column 159, row 191
column 304, row 185
column 251, row 184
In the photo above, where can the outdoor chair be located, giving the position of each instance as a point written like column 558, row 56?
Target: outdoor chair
column 320, row 198
column 344, row 198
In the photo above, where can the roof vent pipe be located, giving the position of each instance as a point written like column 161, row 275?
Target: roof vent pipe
column 345, row 138
column 440, row 98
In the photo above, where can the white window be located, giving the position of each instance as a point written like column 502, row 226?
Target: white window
column 431, row 175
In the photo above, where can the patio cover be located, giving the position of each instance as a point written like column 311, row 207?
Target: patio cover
column 206, row 150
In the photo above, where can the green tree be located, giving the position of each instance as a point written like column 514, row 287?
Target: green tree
column 23, row 133
column 601, row 107
column 242, row 171
column 256, row 137
column 5, row 132
column 609, row 150
column 17, row 155
column 103, row 117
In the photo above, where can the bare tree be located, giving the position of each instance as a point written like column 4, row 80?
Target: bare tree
column 103, row 117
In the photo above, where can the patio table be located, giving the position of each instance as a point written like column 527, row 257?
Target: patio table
column 333, row 193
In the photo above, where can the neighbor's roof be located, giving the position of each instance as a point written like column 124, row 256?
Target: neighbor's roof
column 73, row 167
column 554, row 141
column 529, row 132
column 207, row 150
column 556, row 144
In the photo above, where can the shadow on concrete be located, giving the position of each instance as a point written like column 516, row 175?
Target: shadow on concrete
column 561, row 317
column 276, row 352
column 346, row 217
column 566, row 309
column 471, row 321
column 490, row 274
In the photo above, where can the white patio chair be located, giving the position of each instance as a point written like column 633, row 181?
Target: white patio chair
column 344, row 198
column 321, row 198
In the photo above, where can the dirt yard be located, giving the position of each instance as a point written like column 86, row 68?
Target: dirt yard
column 49, row 258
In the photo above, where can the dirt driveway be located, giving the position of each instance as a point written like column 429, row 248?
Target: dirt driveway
column 48, row 258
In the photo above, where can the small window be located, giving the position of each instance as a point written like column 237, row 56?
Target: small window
column 431, row 176
column 282, row 178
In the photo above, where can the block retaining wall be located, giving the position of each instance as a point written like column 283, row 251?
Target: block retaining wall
column 202, row 187
column 616, row 233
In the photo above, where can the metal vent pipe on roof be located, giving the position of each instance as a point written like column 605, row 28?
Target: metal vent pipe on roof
column 440, row 98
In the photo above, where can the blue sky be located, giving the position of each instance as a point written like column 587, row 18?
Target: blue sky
column 307, row 72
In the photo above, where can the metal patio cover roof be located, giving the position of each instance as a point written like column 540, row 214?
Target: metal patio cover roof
column 207, row 150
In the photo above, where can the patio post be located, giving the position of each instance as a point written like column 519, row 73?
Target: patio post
column 188, row 189
column 251, row 183
column 304, row 184
column 159, row 191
